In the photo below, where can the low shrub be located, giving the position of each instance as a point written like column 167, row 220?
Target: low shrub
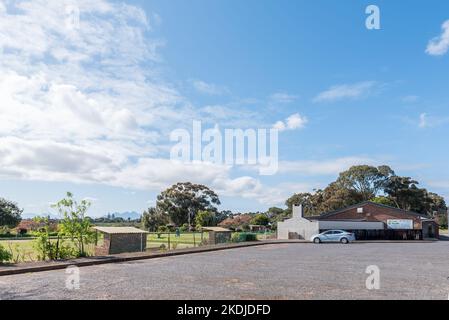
column 235, row 237
column 5, row 255
column 243, row 237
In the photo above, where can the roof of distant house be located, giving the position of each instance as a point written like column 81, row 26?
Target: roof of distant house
column 216, row 229
column 119, row 230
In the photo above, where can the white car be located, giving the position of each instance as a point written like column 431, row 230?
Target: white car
column 333, row 236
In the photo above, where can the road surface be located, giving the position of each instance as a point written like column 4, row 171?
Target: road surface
column 279, row 271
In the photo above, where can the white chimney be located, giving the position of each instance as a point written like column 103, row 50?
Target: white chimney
column 298, row 212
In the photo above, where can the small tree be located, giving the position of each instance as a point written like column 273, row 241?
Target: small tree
column 261, row 220
column 9, row 213
column 205, row 219
column 152, row 219
column 75, row 224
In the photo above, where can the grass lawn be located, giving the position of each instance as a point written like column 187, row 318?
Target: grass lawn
column 24, row 251
column 185, row 240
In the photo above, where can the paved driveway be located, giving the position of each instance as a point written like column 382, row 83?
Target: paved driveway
column 281, row 271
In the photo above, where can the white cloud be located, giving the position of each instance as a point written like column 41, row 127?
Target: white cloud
column 295, row 121
column 426, row 121
column 346, row 91
column 326, row 167
column 439, row 45
column 51, row 161
column 410, row 99
column 209, row 88
column 423, row 120
column 88, row 104
column 282, row 97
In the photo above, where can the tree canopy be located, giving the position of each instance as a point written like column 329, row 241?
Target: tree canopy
column 205, row 219
column 377, row 184
column 10, row 213
column 182, row 201
column 152, row 219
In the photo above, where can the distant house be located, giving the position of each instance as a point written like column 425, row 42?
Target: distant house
column 29, row 225
column 368, row 220
column 238, row 222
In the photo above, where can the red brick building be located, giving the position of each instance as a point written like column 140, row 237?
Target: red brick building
column 398, row 224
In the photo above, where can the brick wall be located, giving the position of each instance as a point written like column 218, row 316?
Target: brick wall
column 373, row 213
column 103, row 250
column 122, row 243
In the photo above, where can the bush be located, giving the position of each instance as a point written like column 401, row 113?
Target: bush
column 5, row 255
column 235, row 237
column 184, row 228
column 243, row 237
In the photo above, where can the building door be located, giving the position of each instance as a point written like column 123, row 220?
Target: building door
column 430, row 232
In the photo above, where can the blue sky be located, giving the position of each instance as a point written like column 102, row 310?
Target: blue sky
column 89, row 108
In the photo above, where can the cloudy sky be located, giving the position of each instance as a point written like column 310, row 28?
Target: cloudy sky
column 87, row 105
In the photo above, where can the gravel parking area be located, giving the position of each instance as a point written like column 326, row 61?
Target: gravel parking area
column 279, row 271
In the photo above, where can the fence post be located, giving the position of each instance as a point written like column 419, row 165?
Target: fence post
column 169, row 241
column 194, row 242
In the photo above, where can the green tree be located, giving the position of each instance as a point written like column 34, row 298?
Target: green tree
column 152, row 219
column 362, row 183
column 223, row 215
column 183, row 200
column 75, row 224
column 406, row 194
column 205, row 219
column 275, row 212
column 10, row 214
column 384, row 200
column 442, row 220
column 311, row 203
column 260, row 220
column 367, row 181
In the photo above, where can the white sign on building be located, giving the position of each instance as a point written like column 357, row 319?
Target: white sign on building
column 399, row 224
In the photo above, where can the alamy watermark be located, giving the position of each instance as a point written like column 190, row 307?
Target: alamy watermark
column 72, row 17
column 372, row 22
column 373, row 280
column 252, row 147
column 72, row 281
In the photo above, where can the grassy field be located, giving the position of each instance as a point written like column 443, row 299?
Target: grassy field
column 24, row 251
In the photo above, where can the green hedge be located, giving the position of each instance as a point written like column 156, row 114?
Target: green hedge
column 244, row 237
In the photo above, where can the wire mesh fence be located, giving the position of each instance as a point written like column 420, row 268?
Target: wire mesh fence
column 173, row 240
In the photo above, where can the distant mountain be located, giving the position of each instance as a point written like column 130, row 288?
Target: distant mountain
column 26, row 216
column 133, row 215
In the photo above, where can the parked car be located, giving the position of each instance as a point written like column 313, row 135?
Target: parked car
column 333, row 236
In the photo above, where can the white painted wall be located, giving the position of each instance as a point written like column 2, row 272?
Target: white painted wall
column 306, row 228
column 350, row 225
column 298, row 224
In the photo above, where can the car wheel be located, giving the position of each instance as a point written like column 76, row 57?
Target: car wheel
column 344, row 240
column 317, row 240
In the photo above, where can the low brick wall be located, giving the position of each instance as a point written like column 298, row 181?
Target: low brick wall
column 122, row 243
